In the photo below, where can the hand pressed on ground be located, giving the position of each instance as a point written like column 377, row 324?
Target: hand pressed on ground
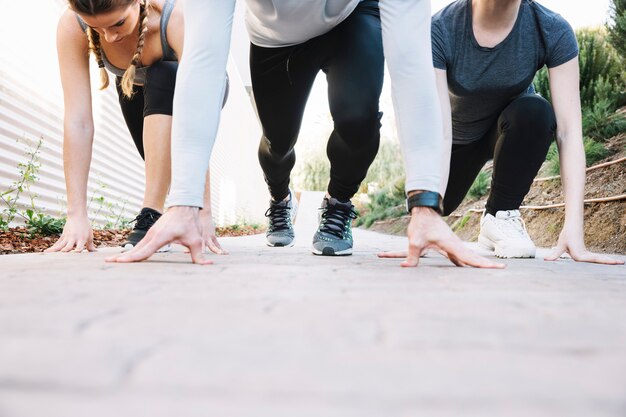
column 178, row 225
column 76, row 237
column 209, row 239
column 428, row 230
column 574, row 245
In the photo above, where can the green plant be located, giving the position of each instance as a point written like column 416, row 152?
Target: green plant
column 40, row 223
column 387, row 167
column 113, row 216
column 601, row 71
column 460, row 224
column 480, row 186
column 384, row 204
column 617, row 25
column 27, row 176
column 315, row 173
column 36, row 221
column 594, row 151
column 602, row 92
column 552, row 159
column 601, row 123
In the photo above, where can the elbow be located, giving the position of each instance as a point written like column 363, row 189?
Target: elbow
column 78, row 129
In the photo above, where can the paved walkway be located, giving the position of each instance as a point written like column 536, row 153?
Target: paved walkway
column 280, row 332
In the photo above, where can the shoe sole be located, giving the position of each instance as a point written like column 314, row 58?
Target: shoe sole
column 331, row 252
column 503, row 253
column 279, row 245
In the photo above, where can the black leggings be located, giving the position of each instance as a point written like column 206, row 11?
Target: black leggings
column 518, row 144
column 156, row 96
column 351, row 56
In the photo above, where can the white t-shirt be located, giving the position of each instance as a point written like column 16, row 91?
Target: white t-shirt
column 278, row 23
column 272, row 23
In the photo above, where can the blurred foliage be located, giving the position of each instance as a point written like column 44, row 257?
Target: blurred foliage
column 384, row 204
column 480, row 186
column 617, row 26
column 594, row 152
column 601, row 72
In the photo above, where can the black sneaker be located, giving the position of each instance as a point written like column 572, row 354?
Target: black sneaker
column 334, row 235
column 280, row 222
column 143, row 222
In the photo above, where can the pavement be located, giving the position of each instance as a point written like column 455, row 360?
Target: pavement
column 281, row 332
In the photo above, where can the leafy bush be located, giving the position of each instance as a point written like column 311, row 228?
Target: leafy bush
column 602, row 92
column 39, row 223
column 601, row 123
column 594, row 152
column 552, row 158
column 387, row 167
column 314, row 174
column 617, row 25
column 480, row 186
column 601, row 72
column 384, row 204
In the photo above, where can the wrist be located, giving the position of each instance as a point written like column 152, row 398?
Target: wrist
column 425, row 199
column 77, row 212
column 185, row 208
column 423, row 211
column 205, row 213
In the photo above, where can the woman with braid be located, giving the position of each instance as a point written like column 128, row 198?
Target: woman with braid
column 138, row 41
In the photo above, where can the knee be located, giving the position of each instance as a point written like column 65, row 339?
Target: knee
column 278, row 146
column 531, row 113
column 358, row 127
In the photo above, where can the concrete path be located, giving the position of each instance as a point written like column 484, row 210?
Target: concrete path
column 280, row 332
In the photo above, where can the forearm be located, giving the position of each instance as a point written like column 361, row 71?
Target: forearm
column 77, row 147
column 406, row 41
column 200, row 85
column 206, row 208
column 572, row 157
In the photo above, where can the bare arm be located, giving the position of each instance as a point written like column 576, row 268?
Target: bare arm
column 78, row 131
column 564, row 85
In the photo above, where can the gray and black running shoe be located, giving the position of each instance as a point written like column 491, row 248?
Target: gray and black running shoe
column 334, row 235
column 280, row 217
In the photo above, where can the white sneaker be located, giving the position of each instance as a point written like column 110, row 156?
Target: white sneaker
column 506, row 235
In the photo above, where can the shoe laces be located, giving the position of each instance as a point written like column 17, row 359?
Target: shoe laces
column 514, row 225
column 145, row 220
column 335, row 218
column 279, row 216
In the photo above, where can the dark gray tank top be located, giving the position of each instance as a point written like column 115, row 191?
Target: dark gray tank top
column 168, row 52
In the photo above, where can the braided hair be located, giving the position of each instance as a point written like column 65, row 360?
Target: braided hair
column 93, row 7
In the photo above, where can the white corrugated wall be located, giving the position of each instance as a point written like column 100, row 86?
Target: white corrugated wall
column 31, row 107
